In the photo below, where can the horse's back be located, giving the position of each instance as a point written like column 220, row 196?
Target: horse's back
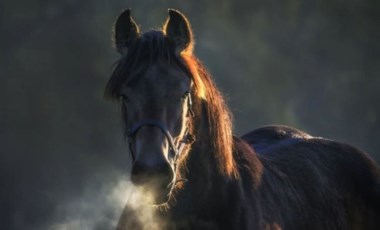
column 329, row 176
column 269, row 136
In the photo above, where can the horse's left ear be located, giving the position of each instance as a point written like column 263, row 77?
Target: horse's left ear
column 126, row 31
column 178, row 30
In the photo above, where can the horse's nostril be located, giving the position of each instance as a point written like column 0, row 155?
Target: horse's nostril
column 143, row 173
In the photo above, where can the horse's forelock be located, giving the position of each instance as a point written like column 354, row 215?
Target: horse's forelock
column 150, row 48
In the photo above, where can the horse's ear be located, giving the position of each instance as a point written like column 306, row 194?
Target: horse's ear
column 178, row 30
column 125, row 31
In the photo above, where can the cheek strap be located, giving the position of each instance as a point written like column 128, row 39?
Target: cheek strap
column 187, row 138
column 155, row 123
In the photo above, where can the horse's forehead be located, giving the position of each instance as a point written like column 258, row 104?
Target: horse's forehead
column 161, row 78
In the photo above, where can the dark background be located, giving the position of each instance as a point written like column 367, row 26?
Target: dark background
column 313, row 65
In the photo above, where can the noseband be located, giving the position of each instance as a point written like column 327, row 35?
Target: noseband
column 176, row 150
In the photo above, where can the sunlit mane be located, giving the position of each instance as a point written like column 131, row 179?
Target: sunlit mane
column 219, row 117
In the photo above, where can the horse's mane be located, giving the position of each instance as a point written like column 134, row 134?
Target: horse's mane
column 219, row 117
column 154, row 47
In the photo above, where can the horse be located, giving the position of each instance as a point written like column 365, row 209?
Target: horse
column 180, row 138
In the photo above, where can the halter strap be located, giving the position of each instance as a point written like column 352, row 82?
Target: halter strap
column 155, row 123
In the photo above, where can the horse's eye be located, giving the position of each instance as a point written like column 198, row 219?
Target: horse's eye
column 124, row 98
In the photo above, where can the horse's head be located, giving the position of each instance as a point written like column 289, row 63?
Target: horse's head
column 155, row 88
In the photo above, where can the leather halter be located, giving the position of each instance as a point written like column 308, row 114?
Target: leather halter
column 177, row 150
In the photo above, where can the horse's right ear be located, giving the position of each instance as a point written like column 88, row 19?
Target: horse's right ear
column 126, row 31
column 178, row 30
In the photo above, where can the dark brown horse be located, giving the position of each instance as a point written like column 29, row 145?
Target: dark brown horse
column 183, row 149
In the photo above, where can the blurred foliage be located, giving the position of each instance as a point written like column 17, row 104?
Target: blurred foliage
column 313, row 65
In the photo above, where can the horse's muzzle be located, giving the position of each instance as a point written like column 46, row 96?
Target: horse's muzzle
column 157, row 178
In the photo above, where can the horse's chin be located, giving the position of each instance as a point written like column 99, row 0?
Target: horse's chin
column 160, row 200
column 154, row 194
column 161, row 196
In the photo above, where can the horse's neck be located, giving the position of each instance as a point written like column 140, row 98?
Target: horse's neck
column 202, row 186
column 208, row 193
